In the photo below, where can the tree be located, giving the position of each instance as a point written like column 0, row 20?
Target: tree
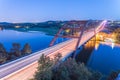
column 95, row 75
column 71, row 70
column 113, row 75
column 26, row 49
column 2, row 49
column 3, row 53
column 16, row 49
column 57, row 58
column 44, row 68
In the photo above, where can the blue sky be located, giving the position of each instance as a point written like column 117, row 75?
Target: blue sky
column 44, row 10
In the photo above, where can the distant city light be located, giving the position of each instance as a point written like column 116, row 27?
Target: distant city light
column 17, row 26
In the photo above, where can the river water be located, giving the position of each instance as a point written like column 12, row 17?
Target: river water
column 37, row 40
column 100, row 56
column 105, row 57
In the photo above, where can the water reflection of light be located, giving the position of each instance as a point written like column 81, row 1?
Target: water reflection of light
column 17, row 26
column 111, row 41
column 112, row 45
column 97, row 45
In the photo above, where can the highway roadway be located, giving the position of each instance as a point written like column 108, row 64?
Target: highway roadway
column 24, row 68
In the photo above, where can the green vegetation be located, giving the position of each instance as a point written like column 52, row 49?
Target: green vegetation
column 16, row 49
column 48, row 31
column 2, row 54
column 49, row 27
column 113, row 75
column 54, row 69
column 14, row 53
column 26, row 49
column 117, row 35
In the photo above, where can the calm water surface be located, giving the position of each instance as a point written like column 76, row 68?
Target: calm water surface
column 37, row 40
column 105, row 58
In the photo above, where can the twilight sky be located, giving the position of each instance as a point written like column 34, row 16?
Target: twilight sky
column 44, row 10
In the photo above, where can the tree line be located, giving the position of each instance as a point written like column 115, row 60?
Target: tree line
column 55, row 69
column 14, row 52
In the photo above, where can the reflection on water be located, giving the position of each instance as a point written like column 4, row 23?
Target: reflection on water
column 97, row 45
column 100, row 56
column 110, row 44
column 105, row 58
column 86, row 51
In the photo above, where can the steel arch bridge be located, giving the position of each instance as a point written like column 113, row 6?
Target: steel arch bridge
column 75, row 29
